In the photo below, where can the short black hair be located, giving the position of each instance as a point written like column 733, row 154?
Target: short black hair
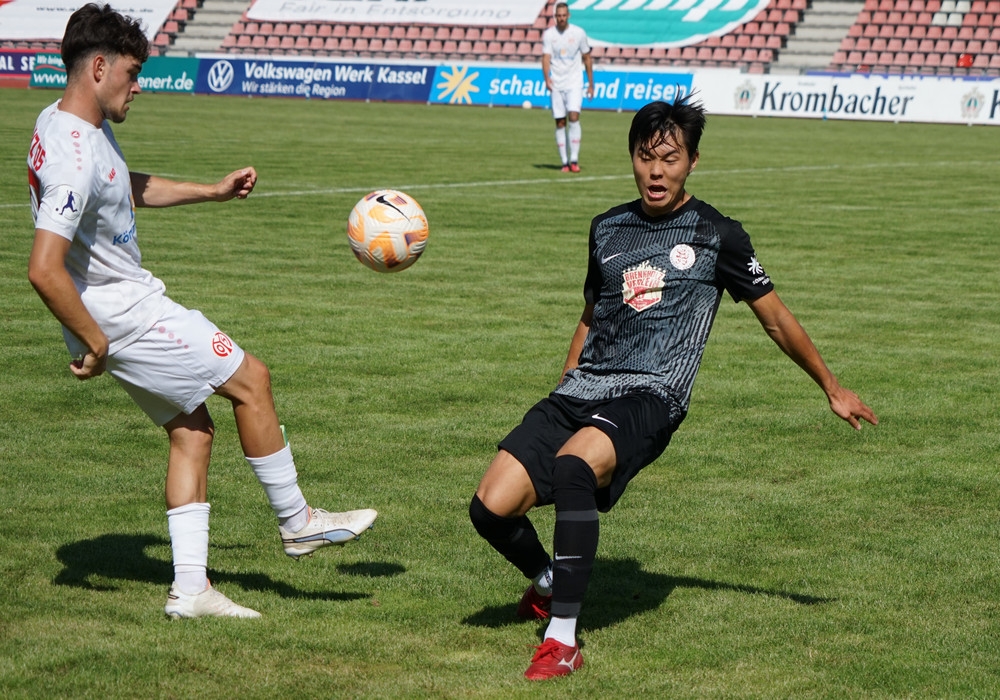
column 94, row 29
column 652, row 124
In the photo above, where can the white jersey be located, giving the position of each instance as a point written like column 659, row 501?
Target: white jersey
column 565, row 50
column 80, row 190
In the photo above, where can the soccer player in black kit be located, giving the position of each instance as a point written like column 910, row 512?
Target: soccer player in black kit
column 657, row 270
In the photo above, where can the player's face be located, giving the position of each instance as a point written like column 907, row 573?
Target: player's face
column 119, row 86
column 660, row 173
column 562, row 18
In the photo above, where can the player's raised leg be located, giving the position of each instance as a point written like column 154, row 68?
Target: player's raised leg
column 303, row 529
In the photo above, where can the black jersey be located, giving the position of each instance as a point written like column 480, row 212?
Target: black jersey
column 655, row 284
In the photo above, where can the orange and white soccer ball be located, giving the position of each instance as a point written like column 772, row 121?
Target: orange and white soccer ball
column 387, row 230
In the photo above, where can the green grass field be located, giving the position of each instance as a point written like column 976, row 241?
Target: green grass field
column 771, row 552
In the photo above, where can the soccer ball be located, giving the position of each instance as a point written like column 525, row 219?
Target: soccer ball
column 387, row 230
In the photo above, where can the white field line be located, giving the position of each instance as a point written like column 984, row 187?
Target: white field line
column 568, row 180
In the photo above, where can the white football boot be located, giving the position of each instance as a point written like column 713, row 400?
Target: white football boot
column 208, row 603
column 325, row 528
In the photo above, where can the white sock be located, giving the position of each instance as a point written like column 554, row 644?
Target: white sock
column 574, row 141
column 561, row 144
column 188, row 526
column 276, row 473
column 543, row 582
column 563, row 630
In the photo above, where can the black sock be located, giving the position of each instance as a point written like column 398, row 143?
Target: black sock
column 514, row 538
column 576, row 534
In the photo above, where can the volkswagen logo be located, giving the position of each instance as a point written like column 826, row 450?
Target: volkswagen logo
column 220, row 76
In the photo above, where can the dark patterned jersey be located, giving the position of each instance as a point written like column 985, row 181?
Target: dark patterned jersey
column 656, row 284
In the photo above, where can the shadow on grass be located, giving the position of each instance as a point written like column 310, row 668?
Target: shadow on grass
column 619, row 589
column 123, row 557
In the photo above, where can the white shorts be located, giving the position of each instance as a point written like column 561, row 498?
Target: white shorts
column 176, row 365
column 566, row 101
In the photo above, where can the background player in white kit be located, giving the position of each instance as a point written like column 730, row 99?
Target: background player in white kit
column 86, row 266
column 565, row 52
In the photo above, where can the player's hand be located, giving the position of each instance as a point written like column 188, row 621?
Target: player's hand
column 850, row 407
column 590, row 92
column 238, row 184
column 90, row 365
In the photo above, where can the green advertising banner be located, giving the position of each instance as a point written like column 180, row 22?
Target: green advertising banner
column 662, row 23
column 159, row 73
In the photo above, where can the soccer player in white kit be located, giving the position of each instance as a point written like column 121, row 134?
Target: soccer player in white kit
column 565, row 52
column 86, row 266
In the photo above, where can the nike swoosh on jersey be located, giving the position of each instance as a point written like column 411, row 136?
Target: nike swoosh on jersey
column 610, row 257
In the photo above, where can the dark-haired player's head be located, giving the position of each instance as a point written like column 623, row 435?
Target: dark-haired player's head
column 96, row 29
column 683, row 121
column 663, row 143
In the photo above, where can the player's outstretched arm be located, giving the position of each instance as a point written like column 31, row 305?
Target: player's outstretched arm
column 785, row 330
column 153, row 191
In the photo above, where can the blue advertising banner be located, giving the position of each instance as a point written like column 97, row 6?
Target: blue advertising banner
column 16, row 64
column 274, row 77
column 524, row 86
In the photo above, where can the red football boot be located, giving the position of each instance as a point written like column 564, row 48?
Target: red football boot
column 553, row 659
column 534, row 605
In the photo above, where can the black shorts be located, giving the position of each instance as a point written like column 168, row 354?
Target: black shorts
column 639, row 425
